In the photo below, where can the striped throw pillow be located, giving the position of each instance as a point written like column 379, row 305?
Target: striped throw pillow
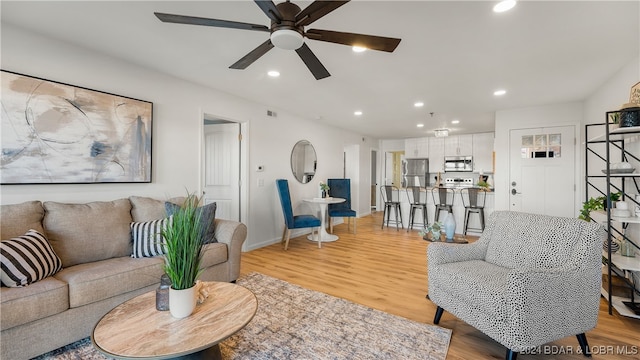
column 147, row 237
column 27, row 259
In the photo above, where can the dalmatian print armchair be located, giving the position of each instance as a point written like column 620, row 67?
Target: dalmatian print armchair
column 529, row 279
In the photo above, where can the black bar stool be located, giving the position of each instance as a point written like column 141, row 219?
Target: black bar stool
column 388, row 197
column 443, row 200
column 413, row 194
column 473, row 200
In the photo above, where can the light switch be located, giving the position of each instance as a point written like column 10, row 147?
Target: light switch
column 260, row 182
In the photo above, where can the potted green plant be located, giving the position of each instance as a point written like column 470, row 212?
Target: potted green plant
column 598, row 203
column 434, row 229
column 183, row 256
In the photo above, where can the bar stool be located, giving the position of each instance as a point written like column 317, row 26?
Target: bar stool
column 473, row 200
column 443, row 200
column 387, row 192
column 413, row 194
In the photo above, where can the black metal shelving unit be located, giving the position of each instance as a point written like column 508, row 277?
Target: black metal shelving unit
column 600, row 181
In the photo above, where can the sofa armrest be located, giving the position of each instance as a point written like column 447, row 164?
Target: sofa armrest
column 442, row 253
column 233, row 234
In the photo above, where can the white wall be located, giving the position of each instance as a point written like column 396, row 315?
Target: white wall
column 177, row 132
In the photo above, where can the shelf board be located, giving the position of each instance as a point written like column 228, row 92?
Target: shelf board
column 617, row 304
column 620, row 133
column 603, row 219
column 624, row 262
column 633, row 174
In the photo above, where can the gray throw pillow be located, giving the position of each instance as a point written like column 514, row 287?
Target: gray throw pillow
column 208, row 214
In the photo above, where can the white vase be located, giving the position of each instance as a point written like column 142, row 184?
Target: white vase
column 449, row 226
column 182, row 302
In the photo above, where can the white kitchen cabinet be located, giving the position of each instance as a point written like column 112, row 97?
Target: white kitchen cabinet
column 483, row 152
column 458, row 145
column 436, row 155
column 416, row 148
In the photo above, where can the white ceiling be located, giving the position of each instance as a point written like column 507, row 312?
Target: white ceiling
column 453, row 55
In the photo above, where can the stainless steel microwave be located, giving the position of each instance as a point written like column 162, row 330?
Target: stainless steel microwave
column 458, row 163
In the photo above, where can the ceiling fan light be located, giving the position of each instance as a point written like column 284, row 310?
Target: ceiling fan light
column 287, row 39
column 441, row 132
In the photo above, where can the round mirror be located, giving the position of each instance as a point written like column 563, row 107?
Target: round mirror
column 303, row 161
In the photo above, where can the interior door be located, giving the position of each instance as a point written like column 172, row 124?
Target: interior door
column 542, row 171
column 222, row 169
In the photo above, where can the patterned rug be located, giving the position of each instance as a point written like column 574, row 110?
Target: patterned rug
column 296, row 323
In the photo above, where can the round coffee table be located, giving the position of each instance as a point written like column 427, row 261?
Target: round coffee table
column 136, row 330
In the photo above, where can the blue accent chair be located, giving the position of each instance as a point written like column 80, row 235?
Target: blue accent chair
column 341, row 188
column 297, row 221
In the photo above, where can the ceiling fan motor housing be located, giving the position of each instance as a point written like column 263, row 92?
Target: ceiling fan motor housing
column 285, row 34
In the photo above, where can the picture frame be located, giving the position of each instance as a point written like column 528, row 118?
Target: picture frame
column 57, row 133
column 634, row 95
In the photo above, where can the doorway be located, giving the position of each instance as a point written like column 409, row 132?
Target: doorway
column 374, row 180
column 222, row 167
column 542, row 175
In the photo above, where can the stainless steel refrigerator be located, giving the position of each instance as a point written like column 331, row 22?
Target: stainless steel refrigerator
column 415, row 172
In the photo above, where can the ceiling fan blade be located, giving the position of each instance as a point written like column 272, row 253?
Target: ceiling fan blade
column 317, row 69
column 369, row 41
column 192, row 20
column 254, row 55
column 316, row 10
column 270, row 9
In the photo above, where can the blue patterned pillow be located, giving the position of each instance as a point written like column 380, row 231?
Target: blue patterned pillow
column 207, row 217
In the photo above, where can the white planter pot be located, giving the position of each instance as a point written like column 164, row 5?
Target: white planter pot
column 182, row 302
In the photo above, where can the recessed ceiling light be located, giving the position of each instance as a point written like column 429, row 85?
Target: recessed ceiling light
column 503, row 6
column 359, row 49
column 418, row 104
column 357, row 113
column 273, row 73
column 499, row 92
column 455, row 121
column 420, row 125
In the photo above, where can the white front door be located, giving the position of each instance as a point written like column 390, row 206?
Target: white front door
column 222, row 169
column 542, row 171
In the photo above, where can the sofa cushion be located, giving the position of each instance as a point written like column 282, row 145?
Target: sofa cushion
column 82, row 233
column 147, row 209
column 96, row 281
column 47, row 297
column 207, row 215
column 16, row 219
column 214, row 254
column 147, row 237
column 27, row 259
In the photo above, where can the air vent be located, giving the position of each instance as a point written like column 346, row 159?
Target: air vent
column 272, row 113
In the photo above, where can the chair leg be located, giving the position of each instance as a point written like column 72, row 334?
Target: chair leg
column 466, row 221
column 400, row 212
column 286, row 243
column 384, row 212
column 318, row 237
column 511, row 355
column 482, row 218
column 284, row 232
column 425, row 217
column 439, row 311
column 354, row 224
column 396, row 212
column 412, row 212
column 582, row 340
column 330, row 225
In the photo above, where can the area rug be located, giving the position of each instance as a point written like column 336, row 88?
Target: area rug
column 297, row 323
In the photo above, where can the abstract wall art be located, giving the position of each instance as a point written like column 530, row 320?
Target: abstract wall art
column 55, row 133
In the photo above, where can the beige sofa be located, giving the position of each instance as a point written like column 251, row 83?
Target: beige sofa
column 93, row 240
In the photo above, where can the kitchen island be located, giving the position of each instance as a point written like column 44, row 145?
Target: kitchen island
column 458, row 210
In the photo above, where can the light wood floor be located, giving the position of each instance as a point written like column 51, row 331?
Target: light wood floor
column 386, row 269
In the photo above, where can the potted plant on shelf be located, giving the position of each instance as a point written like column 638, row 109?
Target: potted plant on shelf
column 598, row 203
column 184, row 249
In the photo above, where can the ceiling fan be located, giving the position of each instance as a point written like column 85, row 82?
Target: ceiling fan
column 287, row 32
